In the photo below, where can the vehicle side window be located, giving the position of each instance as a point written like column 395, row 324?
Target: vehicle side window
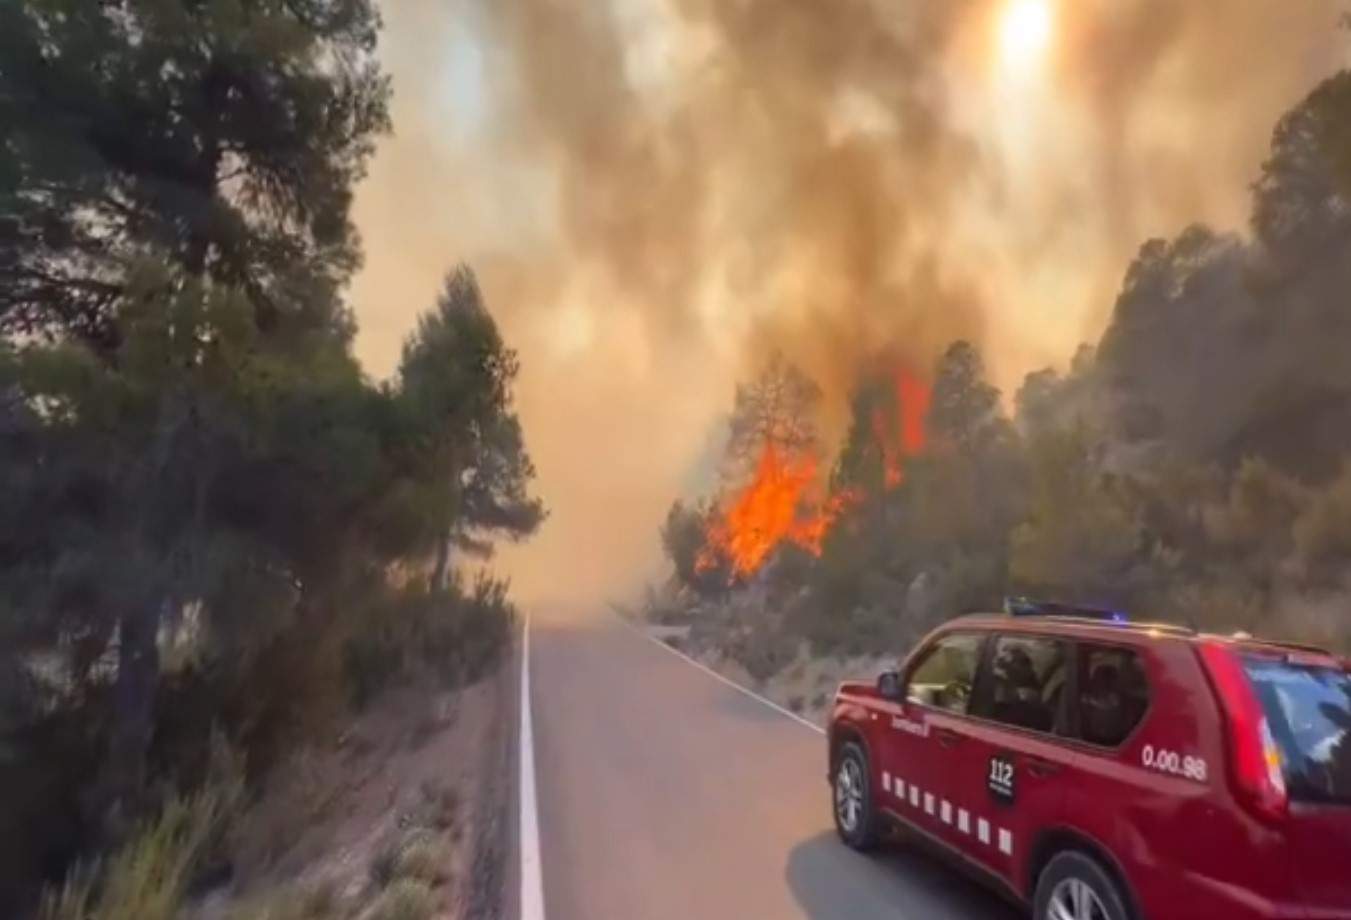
column 947, row 672
column 1027, row 683
column 1113, row 694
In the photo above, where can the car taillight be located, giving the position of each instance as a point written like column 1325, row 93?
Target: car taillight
column 1255, row 761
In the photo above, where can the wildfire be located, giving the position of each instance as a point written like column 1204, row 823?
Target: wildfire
column 777, row 506
column 902, row 435
column 784, row 500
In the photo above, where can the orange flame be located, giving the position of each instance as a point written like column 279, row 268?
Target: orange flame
column 782, row 502
column 908, row 435
column 777, row 506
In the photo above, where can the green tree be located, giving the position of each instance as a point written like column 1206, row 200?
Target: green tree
column 684, row 539
column 965, row 406
column 862, row 463
column 223, row 135
column 1081, row 539
column 456, row 381
column 195, row 466
column 1047, row 400
column 175, row 183
column 1300, row 200
column 1322, row 532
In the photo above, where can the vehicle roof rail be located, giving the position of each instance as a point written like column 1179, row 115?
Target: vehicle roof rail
column 1283, row 643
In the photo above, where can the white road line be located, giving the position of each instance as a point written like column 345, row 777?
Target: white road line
column 731, row 683
column 532, row 883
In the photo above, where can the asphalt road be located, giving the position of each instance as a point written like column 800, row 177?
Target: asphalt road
column 666, row 795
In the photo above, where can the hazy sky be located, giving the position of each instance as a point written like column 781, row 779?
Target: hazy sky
column 656, row 193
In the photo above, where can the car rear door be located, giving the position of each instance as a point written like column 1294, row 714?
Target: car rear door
column 1010, row 775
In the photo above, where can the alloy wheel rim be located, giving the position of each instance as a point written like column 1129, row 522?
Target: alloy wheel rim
column 1074, row 899
column 849, row 794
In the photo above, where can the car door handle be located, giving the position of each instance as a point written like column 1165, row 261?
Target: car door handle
column 1042, row 768
column 947, row 737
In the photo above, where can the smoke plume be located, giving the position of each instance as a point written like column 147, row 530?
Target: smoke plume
column 659, row 193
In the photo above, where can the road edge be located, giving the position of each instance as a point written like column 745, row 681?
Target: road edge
column 788, row 713
column 532, row 882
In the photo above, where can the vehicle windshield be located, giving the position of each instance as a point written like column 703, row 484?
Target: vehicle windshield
column 1309, row 710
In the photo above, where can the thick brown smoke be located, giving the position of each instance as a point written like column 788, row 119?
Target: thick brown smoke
column 657, row 193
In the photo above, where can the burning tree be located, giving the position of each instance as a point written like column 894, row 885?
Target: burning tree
column 889, row 419
column 775, row 412
column 775, row 494
column 772, row 492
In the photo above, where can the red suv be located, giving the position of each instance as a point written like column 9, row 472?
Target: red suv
column 1097, row 769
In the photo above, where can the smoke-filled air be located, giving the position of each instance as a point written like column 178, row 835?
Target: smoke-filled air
column 658, row 195
column 389, row 387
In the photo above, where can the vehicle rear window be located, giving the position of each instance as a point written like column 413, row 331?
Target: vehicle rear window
column 1309, row 711
column 1027, row 682
column 946, row 674
column 1113, row 694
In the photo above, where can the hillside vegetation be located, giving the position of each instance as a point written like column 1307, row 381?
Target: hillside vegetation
column 218, row 536
column 1193, row 466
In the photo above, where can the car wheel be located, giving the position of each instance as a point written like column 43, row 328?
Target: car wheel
column 1073, row 886
column 856, row 819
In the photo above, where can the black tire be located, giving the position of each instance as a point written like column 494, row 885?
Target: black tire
column 858, row 824
column 1059, row 879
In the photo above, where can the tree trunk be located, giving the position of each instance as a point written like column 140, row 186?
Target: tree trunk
column 133, row 714
column 441, row 570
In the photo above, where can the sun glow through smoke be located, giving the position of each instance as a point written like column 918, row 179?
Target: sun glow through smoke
column 1025, row 33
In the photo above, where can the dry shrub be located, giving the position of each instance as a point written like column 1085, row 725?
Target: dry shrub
column 440, row 806
column 405, row 899
column 385, row 861
column 425, row 858
column 148, row 877
column 420, row 854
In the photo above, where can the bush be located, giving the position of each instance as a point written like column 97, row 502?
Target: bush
column 148, row 877
column 405, row 899
column 455, row 635
column 385, row 861
column 426, row 858
column 440, row 805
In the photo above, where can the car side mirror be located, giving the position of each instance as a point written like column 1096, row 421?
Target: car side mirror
column 889, row 685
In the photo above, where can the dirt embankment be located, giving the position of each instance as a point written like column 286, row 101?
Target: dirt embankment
column 403, row 816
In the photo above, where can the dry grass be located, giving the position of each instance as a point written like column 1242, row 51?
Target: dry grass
column 426, row 858
column 420, row 854
column 406, row 899
column 148, row 877
column 440, row 807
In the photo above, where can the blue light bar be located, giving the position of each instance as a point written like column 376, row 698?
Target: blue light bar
column 1027, row 607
